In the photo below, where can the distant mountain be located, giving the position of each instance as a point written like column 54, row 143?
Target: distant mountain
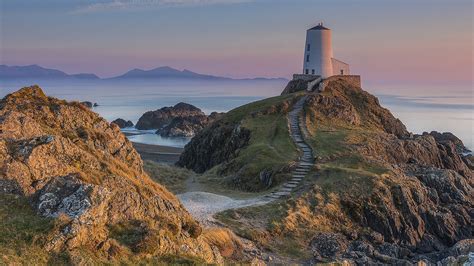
column 166, row 72
column 35, row 71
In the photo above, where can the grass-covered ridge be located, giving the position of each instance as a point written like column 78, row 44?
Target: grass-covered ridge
column 268, row 150
column 270, row 147
column 341, row 173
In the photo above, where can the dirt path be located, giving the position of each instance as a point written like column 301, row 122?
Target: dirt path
column 203, row 205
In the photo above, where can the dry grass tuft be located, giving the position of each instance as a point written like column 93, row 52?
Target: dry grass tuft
column 228, row 243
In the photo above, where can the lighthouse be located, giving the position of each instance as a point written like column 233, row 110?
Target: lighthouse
column 318, row 54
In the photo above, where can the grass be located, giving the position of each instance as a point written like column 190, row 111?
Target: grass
column 173, row 178
column 225, row 240
column 270, row 147
column 239, row 113
column 22, row 234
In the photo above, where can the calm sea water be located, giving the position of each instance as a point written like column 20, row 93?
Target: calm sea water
column 421, row 108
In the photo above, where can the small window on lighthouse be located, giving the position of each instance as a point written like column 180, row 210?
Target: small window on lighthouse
column 312, row 71
column 308, row 47
column 307, row 58
column 307, row 72
column 342, row 72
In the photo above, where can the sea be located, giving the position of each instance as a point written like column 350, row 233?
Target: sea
column 422, row 108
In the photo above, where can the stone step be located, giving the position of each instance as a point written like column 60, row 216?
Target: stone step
column 282, row 193
column 302, row 170
column 297, row 169
column 273, row 196
column 306, row 164
column 300, row 173
column 286, row 189
column 288, row 185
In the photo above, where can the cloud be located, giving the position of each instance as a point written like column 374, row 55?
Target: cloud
column 117, row 5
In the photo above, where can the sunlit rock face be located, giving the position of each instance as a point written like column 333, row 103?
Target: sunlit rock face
column 73, row 164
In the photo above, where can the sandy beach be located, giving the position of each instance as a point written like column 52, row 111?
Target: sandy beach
column 158, row 153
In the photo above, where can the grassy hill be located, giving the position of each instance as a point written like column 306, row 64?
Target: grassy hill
column 264, row 156
column 376, row 189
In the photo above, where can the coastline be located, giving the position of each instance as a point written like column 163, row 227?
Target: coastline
column 158, row 153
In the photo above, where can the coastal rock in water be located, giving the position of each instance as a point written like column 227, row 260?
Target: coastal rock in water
column 161, row 117
column 188, row 126
column 89, row 104
column 122, row 123
column 70, row 162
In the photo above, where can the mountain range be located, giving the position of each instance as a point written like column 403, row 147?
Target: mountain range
column 164, row 72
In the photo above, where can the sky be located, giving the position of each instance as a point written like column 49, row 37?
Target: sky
column 412, row 41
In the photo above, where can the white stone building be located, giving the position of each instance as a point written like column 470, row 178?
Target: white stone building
column 318, row 55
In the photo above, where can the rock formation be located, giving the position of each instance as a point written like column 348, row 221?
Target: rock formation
column 187, row 126
column 181, row 120
column 122, row 123
column 75, row 167
column 216, row 144
column 89, row 104
column 161, row 117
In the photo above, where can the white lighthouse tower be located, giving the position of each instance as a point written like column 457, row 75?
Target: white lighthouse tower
column 318, row 55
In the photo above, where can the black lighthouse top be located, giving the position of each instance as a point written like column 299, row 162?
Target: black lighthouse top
column 319, row 27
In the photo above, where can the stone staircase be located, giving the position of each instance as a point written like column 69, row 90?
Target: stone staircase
column 306, row 161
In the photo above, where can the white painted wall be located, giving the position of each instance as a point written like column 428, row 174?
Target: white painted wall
column 319, row 53
column 338, row 66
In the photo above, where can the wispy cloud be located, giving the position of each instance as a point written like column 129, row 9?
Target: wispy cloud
column 117, row 5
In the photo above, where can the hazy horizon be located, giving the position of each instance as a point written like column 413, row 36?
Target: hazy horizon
column 423, row 42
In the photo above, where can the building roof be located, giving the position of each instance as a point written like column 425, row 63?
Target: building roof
column 319, row 27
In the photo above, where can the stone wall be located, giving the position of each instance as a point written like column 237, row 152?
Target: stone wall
column 305, row 77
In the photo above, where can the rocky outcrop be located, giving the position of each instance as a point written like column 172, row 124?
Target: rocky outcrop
column 295, row 86
column 421, row 207
column 188, row 126
column 449, row 137
column 344, row 103
column 216, row 144
column 162, row 117
column 122, row 123
column 74, row 166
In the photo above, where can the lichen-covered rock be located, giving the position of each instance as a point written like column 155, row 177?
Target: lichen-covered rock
column 70, row 162
column 328, row 245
